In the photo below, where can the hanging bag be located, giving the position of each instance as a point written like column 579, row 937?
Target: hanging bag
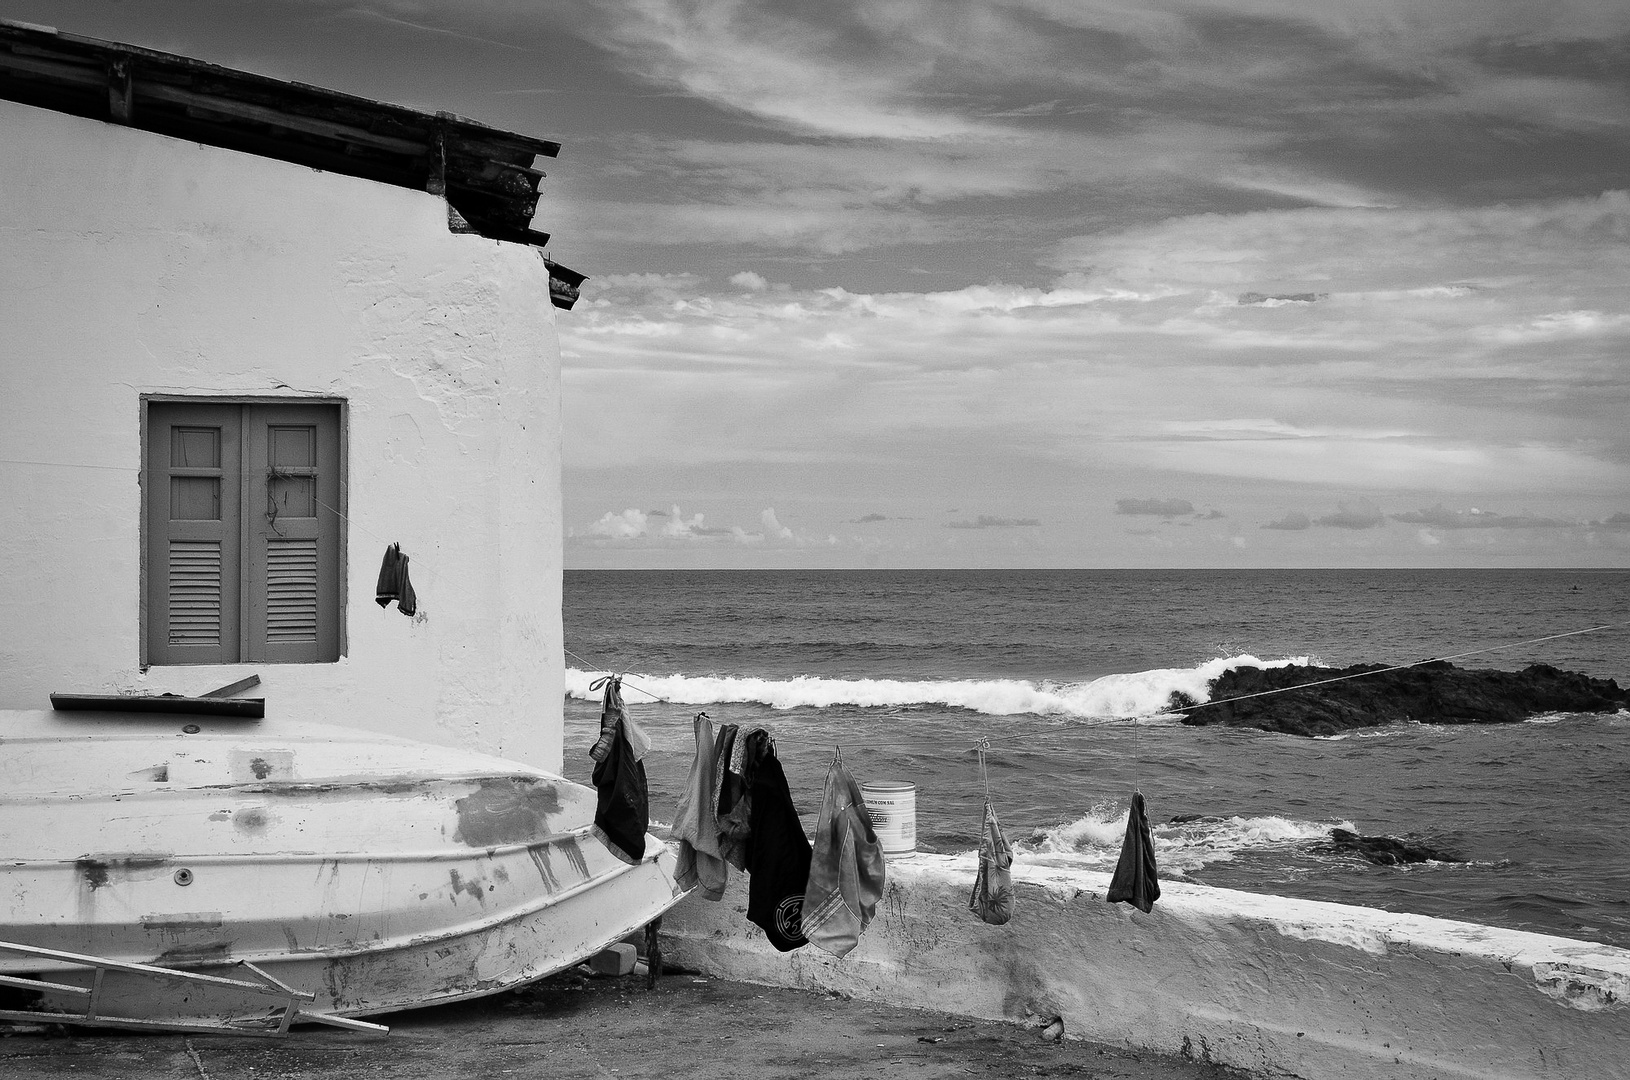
column 992, row 898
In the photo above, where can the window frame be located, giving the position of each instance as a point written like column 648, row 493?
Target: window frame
column 242, row 403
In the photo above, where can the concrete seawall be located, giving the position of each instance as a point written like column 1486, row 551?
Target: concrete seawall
column 1270, row 984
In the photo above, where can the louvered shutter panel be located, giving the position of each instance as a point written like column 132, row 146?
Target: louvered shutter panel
column 292, row 473
column 191, row 534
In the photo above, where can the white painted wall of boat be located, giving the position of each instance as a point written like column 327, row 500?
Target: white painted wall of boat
column 1270, row 984
column 131, row 263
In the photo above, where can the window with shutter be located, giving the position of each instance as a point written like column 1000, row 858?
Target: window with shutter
column 242, row 532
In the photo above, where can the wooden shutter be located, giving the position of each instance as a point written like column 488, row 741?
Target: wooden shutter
column 191, row 508
column 292, row 480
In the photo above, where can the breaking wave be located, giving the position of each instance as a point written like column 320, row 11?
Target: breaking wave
column 1094, row 839
column 1114, row 696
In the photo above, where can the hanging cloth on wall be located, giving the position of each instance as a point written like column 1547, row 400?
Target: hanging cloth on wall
column 394, row 583
column 777, row 851
column 696, row 824
column 622, row 812
column 1135, row 881
column 992, row 898
column 846, row 868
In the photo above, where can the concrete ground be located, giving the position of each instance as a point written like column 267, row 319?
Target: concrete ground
column 570, row 1026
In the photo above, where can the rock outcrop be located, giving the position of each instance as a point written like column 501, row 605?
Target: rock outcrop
column 1368, row 695
column 1382, row 850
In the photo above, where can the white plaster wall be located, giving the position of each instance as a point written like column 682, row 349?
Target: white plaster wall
column 1270, row 984
column 135, row 264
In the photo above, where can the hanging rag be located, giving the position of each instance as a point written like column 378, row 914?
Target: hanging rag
column 846, row 868
column 696, row 824
column 1135, row 881
column 736, row 755
column 621, row 813
column 394, row 583
column 614, row 716
column 777, row 853
column 992, row 898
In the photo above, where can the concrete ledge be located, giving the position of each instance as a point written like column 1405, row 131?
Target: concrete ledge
column 1270, row 984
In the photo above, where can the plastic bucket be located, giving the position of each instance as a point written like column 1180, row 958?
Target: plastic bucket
column 892, row 806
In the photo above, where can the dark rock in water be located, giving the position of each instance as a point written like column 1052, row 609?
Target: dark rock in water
column 1383, row 850
column 1368, row 695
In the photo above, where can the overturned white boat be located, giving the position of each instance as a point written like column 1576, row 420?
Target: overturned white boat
column 310, row 872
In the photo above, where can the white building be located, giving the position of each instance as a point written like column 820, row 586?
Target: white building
column 251, row 333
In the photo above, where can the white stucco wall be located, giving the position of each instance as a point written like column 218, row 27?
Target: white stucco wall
column 1274, row 985
column 135, row 264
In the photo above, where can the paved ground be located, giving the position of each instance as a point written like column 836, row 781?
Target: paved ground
column 570, row 1027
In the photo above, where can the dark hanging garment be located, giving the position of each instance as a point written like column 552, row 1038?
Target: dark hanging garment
column 845, row 870
column 1135, row 881
column 992, row 898
column 735, row 800
column 777, row 855
column 622, row 811
column 394, row 583
column 696, row 824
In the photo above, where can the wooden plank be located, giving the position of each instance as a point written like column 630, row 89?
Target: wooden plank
column 310, row 125
column 231, row 689
column 243, row 708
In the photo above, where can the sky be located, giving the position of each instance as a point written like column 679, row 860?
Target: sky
column 1046, row 283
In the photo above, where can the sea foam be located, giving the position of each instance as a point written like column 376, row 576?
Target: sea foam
column 1094, row 839
column 1119, row 696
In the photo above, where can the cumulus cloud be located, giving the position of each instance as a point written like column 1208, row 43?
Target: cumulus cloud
column 1440, row 517
column 1291, row 522
column 986, row 521
column 660, row 525
column 1155, row 507
column 1363, row 515
column 749, row 281
column 773, row 527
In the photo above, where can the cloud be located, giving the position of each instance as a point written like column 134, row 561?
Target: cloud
column 1156, row 507
column 1210, row 515
column 1440, row 517
column 1362, row 515
column 866, row 519
column 986, row 521
column 1291, row 522
column 750, row 281
column 1281, row 299
column 658, row 525
column 773, row 527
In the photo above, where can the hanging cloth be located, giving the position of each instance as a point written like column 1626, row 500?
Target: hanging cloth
column 846, row 868
column 696, row 824
column 735, row 813
column 992, row 898
column 394, row 583
column 613, row 716
column 777, row 851
column 622, row 812
column 1135, row 881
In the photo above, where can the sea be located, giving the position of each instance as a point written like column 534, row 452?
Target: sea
column 1067, row 674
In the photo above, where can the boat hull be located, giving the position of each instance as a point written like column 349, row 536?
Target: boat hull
column 373, row 874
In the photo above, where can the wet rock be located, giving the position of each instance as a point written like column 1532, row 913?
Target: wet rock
column 1383, row 850
column 1369, row 695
